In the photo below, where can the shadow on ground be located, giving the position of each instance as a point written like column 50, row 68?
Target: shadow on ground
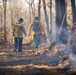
column 32, row 71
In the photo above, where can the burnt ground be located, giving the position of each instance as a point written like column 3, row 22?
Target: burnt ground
column 30, row 62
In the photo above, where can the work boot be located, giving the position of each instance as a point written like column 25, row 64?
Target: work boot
column 19, row 51
column 35, row 46
column 15, row 50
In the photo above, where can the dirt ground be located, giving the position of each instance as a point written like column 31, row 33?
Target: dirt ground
column 28, row 62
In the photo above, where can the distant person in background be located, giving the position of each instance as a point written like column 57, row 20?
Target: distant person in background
column 37, row 31
column 18, row 31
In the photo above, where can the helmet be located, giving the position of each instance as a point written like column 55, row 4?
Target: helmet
column 36, row 18
column 20, row 20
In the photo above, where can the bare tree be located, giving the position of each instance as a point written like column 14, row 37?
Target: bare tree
column 46, row 16
column 39, row 7
column 73, row 11
column 4, row 6
column 31, row 8
column 49, row 4
column 61, row 25
column 11, row 12
column 1, row 16
column 50, row 18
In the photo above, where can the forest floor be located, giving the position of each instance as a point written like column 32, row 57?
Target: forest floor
column 34, row 62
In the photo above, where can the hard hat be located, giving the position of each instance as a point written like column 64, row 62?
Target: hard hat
column 20, row 20
column 36, row 18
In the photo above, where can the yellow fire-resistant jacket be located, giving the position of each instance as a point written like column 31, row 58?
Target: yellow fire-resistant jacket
column 33, row 33
column 18, row 30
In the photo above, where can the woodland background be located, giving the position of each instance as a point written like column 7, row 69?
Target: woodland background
column 58, row 17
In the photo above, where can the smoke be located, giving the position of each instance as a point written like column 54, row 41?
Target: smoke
column 62, row 35
column 72, row 59
column 62, row 38
column 54, row 56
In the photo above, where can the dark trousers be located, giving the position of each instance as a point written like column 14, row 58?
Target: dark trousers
column 18, row 43
column 37, row 38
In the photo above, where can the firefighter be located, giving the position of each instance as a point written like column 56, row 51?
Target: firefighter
column 18, row 31
column 37, row 31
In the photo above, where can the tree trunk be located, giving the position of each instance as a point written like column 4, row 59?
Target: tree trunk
column 57, row 19
column 29, row 12
column 1, row 18
column 50, row 19
column 39, row 8
column 4, row 5
column 73, row 11
column 46, row 16
column 33, row 8
column 61, row 25
column 11, row 17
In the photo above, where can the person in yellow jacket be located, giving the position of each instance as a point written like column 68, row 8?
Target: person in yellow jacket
column 18, row 31
column 37, row 31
